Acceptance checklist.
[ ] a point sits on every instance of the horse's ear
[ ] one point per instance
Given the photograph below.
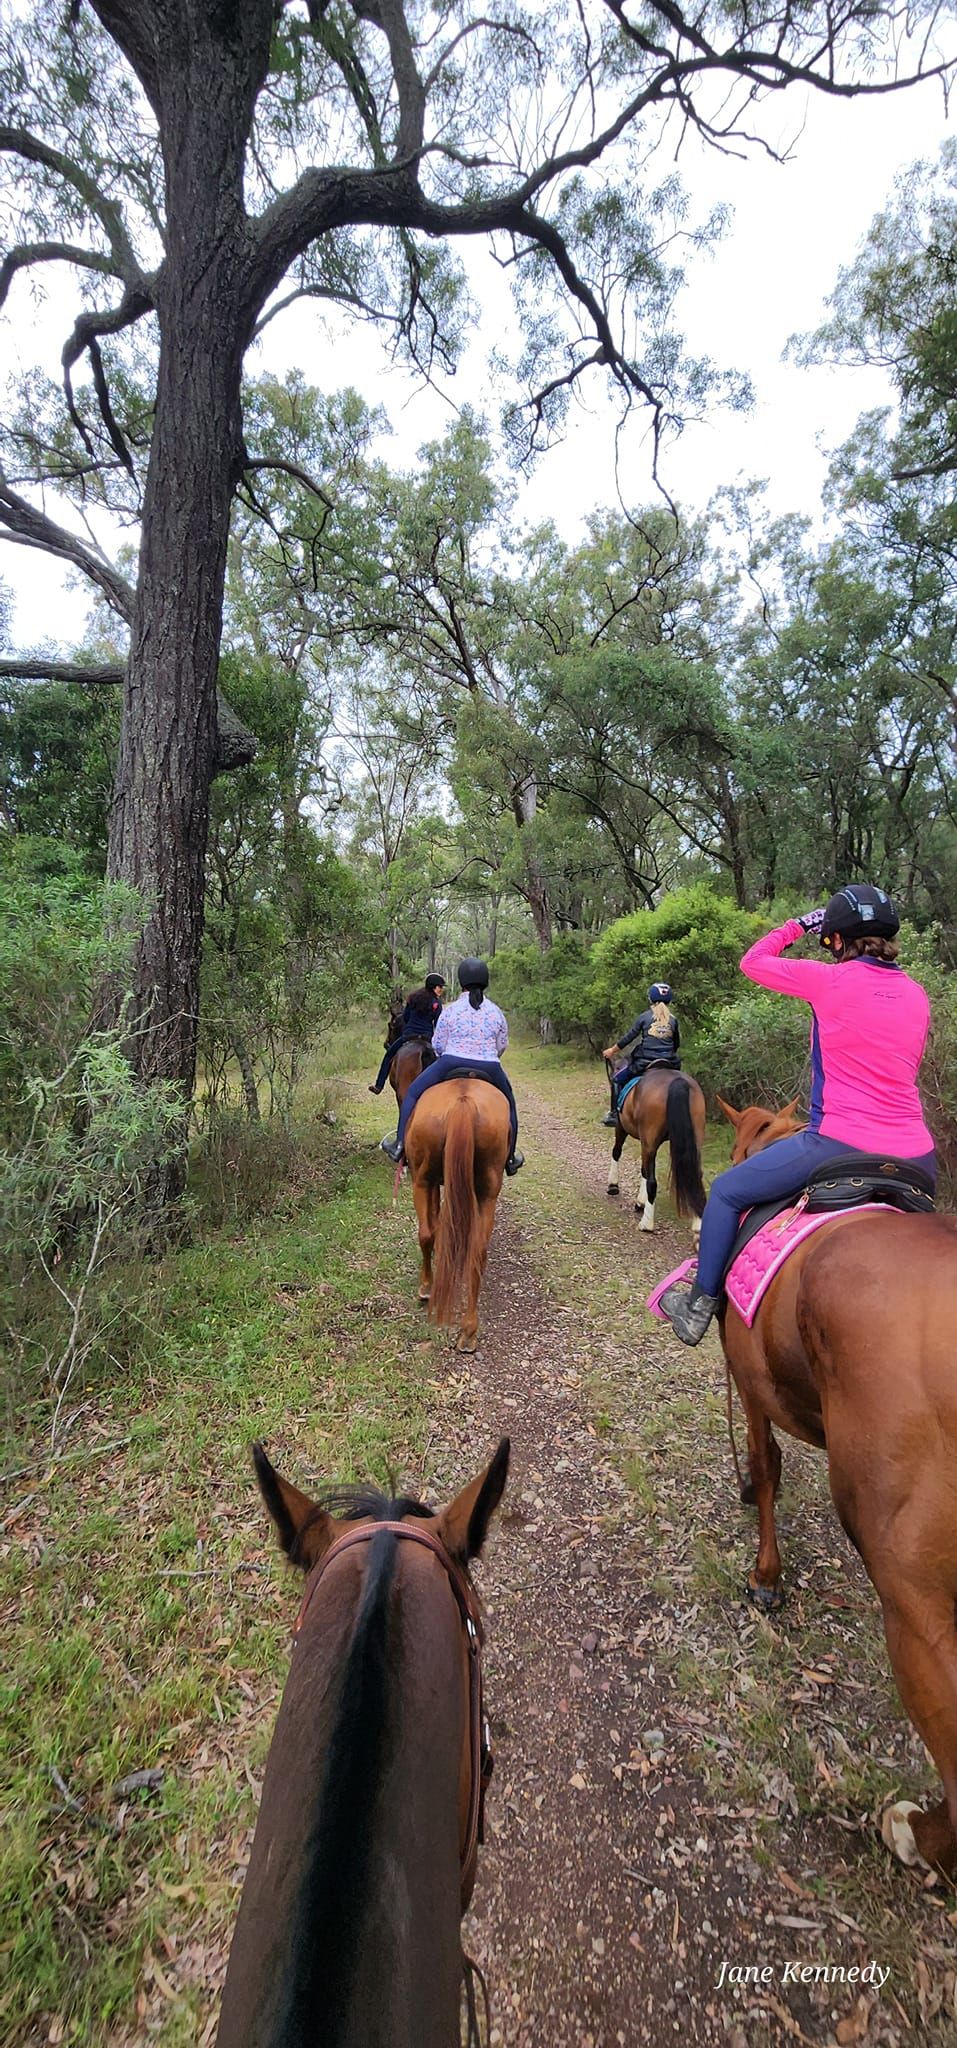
(733, 1115)
(305, 1530)
(790, 1107)
(463, 1525)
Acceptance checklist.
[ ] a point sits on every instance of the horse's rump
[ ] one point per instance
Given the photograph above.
(459, 1134)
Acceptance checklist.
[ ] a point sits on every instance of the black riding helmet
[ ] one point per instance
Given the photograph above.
(859, 912)
(473, 974)
(434, 982)
(660, 992)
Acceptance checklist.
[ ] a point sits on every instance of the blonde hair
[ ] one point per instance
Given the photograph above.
(662, 1019)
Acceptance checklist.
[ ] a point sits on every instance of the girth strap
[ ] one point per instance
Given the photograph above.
(481, 1760)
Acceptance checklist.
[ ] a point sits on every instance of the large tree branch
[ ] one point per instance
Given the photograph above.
(235, 746)
(88, 329)
(23, 524)
(50, 252)
(19, 142)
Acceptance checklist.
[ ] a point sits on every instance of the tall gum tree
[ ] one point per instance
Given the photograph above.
(200, 163)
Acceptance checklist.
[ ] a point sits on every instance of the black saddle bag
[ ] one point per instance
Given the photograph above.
(871, 1177)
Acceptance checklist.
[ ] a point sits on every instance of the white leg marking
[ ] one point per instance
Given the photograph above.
(642, 1192)
(899, 1835)
(647, 1217)
(613, 1173)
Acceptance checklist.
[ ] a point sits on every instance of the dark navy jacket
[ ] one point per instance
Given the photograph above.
(644, 1046)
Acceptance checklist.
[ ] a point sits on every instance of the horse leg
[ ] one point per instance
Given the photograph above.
(647, 1188)
(749, 1498)
(921, 1639)
(616, 1152)
(468, 1329)
(763, 1584)
(426, 1199)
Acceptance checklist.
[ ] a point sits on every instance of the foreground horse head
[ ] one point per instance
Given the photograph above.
(365, 1848)
(458, 1135)
(664, 1106)
(852, 1349)
(756, 1127)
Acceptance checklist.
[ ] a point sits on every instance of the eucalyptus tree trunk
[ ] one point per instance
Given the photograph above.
(160, 815)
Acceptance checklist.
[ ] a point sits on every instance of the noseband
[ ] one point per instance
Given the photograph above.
(481, 1760)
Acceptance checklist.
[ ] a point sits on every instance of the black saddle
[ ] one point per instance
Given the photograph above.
(846, 1183)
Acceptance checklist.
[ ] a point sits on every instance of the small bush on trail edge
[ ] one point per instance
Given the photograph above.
(85, 1147)
(756, 1050)
(240, 1168)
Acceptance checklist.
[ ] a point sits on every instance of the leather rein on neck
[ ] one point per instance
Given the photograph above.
(481, 1760)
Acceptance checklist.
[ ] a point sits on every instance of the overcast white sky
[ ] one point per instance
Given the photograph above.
(794, 225)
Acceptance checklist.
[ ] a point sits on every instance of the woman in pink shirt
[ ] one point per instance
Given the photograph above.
(470, 1037)
(869, 1026)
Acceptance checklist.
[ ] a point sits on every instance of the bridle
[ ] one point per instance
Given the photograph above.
(481, 1760)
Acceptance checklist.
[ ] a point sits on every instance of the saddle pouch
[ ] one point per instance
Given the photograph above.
(869, 1177)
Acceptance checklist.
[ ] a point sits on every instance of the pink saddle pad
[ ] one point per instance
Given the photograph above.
(755, 1267)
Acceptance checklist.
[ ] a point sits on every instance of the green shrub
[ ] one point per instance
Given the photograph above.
(694, 940)
(84, 1145)
(921, 956)
(756, 1050)
(556, 985)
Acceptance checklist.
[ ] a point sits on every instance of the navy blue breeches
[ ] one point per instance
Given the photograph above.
(444, 1069)
(780, 1170)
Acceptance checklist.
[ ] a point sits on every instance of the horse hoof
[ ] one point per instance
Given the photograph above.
(767, 1599)
(613, 1188)
(467, 1343)
(425, 1296)
(898, 1834)
(749, 1498)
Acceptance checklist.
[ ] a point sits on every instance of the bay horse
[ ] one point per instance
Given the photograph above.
(852, 1350)
(365, 1848)
(458, 1136)
(664, 1105)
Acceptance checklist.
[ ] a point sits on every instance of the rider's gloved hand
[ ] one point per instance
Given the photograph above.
(811, 921)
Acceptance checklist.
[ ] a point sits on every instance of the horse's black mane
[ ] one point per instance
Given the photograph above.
(366, 1503)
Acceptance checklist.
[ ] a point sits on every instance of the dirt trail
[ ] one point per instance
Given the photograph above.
(620, 1873)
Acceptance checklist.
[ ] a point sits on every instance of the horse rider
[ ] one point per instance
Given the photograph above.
(869, 1024)
(470, 1037)
(655, 1038)
(423, 1008)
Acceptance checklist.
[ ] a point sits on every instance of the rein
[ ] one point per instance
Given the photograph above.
(480, 1750)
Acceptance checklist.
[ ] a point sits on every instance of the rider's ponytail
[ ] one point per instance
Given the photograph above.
(662, 1019)
(476, 997)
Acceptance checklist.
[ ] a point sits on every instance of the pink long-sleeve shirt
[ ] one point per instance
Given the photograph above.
(869, 1024)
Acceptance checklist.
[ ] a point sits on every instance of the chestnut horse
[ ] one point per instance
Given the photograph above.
(852, 1350)
(458, 1134)
(664, 1105)
(365, 1848)
(407, 1065)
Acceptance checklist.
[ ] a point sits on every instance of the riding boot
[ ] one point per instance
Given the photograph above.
(690, 1311)
(512, 1165)
(393, 1149)
(374, 1088)
(610, 1118)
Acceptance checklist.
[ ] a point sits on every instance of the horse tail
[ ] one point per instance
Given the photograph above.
(456, 1237)
(687, 1186)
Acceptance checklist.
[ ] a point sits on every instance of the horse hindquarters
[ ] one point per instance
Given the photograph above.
(890, 1417)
